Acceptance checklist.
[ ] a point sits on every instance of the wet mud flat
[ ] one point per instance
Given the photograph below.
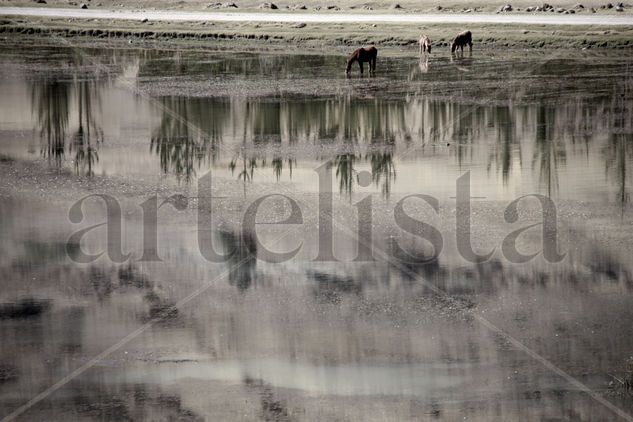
(382, 339)
(299, 340)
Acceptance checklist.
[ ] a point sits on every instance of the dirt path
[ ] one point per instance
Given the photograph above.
(164, 15)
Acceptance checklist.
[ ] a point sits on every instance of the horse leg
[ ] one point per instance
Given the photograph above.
(373, 65)
(360, 64)
(470, 45)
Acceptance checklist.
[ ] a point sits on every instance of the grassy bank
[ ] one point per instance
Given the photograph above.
(401, 6)
(320, 35)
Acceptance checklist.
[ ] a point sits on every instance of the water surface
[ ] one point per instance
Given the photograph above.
(303, 339)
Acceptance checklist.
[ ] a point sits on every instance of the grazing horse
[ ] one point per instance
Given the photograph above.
(461, 40)
(362, 55)
(425, 44)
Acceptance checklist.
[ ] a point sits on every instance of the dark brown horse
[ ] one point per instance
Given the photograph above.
(465, 38)
(363, 55)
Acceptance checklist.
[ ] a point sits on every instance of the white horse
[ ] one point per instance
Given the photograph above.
(425, 44)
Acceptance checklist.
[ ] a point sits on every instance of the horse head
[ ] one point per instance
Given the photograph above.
(348, 65)
(349, 62)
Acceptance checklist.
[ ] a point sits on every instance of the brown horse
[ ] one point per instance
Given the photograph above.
(425, 44)
(363, 55)
(465, 38)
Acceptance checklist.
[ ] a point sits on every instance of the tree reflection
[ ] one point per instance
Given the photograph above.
(268, 132)
(549, 154)
(247, 171)
(619, 149)
(345, 172)
(331, 288)
(249, 164)
(503, 152)
(277, 164)
(383, 171)
(89, 133)
(242, 257)
(618, 152)
(187, 135)
(51, 102)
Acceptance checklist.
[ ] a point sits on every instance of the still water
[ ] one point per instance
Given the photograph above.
(306, 340)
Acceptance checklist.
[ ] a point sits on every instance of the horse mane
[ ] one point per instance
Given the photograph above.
(357, 52)
(352, 56)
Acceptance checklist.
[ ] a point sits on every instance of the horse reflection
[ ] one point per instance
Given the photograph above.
(423, 64)
(461, 62)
